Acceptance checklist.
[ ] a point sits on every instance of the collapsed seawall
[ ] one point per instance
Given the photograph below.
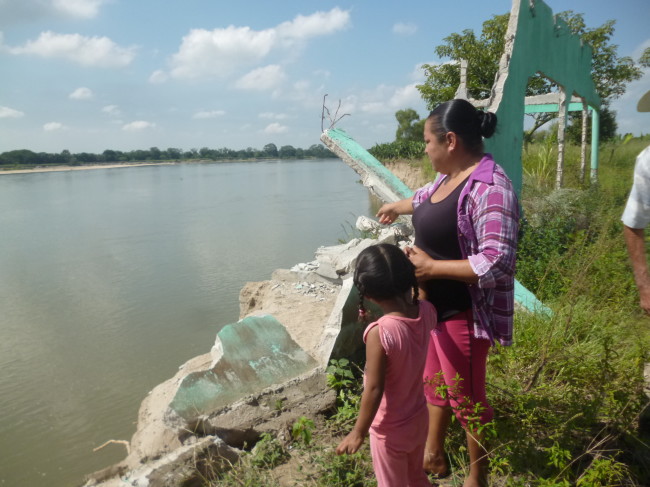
(290, 327)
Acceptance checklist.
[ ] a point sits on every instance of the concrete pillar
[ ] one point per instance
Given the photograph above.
(561, 130)
(583, 145)
(595, 140)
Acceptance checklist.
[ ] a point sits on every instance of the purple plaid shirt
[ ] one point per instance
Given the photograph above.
(488, 226)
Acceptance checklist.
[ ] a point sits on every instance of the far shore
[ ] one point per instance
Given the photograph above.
(82, 167)
(109, 165)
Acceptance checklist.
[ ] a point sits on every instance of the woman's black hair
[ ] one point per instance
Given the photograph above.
(382, 272)
(462, 118)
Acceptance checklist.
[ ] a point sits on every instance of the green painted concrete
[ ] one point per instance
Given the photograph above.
(595, 129)
(257, 353)
(553, 107)
(542, 44)
(354, 155)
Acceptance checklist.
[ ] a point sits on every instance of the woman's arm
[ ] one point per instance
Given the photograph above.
(495, 220)
(375, 374)
(389, 212)
(428, 268)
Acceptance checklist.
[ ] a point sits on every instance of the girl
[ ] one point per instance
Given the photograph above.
(393, 406)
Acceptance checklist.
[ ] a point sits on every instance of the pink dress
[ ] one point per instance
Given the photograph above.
(399, 430)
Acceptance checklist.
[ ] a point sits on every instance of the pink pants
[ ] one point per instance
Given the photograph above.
(454, 351)
(396, 466)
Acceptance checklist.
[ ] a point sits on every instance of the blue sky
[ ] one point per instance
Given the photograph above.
(90, 75)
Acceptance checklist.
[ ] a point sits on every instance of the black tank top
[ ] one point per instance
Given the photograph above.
(436, 232)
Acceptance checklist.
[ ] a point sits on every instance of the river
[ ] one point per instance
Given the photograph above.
(110, 279)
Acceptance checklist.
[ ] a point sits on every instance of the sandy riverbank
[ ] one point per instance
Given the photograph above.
(83, 167)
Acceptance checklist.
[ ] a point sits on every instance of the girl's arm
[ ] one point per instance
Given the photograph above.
(373, 391)
(389, 212)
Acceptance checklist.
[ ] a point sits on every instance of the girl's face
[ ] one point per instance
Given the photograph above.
(436, 150)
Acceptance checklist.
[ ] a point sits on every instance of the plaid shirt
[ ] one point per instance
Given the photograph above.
(488, 226)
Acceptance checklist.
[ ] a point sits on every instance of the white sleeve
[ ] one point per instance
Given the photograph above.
(637, 209)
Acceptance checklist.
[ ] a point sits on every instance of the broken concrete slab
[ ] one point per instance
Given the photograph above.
(249, 355)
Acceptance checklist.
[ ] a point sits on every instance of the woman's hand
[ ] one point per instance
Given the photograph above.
(387, 214)
(350, 443)
(427, 267)
(422, 261)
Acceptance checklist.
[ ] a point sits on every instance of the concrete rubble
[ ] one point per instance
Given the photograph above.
(217, 403)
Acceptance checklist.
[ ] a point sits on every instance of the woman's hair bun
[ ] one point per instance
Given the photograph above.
(487, 123)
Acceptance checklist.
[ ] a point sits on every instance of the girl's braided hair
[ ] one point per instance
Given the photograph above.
(382, 272)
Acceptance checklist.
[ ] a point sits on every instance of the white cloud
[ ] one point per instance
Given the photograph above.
(138, 125)
(221, 52)
(273, 116)
(79, 8)
(112, 110)
(418, 73)
(386, 99)
(52, 126)
(158, 76)
(87, 51)
(81, 93)
(317, 24)
(405, 29)
(262, 79)
(6, 112)
(275, 128)
(627, 118)
(208, 114)
(13, 12)
(405, 97)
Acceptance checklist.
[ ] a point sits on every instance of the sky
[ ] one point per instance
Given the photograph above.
(91, 75)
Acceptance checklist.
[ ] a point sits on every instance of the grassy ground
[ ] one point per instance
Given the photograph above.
(568, 396)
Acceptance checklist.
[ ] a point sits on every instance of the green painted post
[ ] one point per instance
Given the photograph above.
(595, 140)
(537, 41)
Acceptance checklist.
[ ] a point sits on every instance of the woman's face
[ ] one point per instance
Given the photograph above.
(435, 149)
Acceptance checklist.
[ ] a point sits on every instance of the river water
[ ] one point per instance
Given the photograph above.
(110, 279)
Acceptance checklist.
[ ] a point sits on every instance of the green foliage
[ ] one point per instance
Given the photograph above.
(409, 125)
(339, 374)
(268, 452)
(302, 430)
(28, 158)
(400, 149)
(345, 470)
(342, 379)
(610, 72)
(242, 474)
(483, 54)
(603, 472)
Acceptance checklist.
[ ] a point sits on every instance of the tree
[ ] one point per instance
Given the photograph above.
(271, 150)
(409, 125)
(287, 151)
(611, 73)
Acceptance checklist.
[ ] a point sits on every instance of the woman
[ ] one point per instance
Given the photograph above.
(466, 226)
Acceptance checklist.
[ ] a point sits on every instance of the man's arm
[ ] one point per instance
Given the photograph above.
(634, 238)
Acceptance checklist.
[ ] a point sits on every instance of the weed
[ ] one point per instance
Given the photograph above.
(302, 430)
(268, 452)
(345, 470)
(339, 374)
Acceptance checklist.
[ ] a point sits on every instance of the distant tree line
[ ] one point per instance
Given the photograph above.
(27, 157)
